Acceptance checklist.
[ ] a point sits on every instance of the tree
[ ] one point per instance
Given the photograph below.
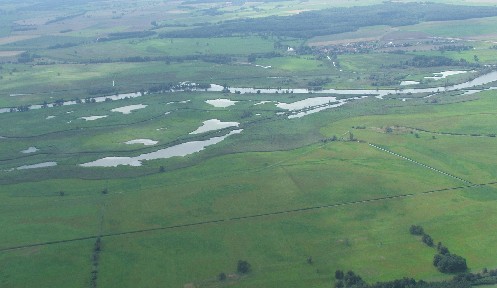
(243, 267)
(246, 114)
(221, 276)
(351, 136)
(449, 263)
(339, 274)
(416, 230)
(59, 102)
(309, 260)
(351, 279)
(442, 249)
(427, 240)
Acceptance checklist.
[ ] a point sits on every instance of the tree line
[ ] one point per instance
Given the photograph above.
(444, 261)
(126, 35)
(466, 280)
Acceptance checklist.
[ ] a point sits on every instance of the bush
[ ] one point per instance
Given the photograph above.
(221, 276)
(243, 267)
(416, 230)
(449, 263)
(427, 240)
(442, 249)
(351, 279)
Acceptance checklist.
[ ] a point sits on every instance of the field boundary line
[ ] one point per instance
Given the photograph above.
(488, 135)
(418, 163)
(238, 218)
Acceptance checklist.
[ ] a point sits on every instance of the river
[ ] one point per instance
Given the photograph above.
(379, 93)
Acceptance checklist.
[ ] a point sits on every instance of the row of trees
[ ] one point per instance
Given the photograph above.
(21, 108)
(253, 57)
(466, 280)
(218, 59)
(27, 57)
(444, 261)
(457, 48)
(97, 248)
(126, 35)
(432, 61)
(166, 87)
(63, 45)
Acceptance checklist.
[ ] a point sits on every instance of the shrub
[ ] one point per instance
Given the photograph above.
(416, 230)
(243, 267)
(449, 263)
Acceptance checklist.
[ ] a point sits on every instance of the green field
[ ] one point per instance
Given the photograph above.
(341, 185)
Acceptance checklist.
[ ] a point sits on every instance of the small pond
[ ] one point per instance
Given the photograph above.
(221, 103)
(30, 150)
(146, 142)
(93, 118)
(128, 109)
(214, 124)
(39, 165)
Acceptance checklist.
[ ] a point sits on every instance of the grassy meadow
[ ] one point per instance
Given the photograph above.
(342, 185)
(226, 186)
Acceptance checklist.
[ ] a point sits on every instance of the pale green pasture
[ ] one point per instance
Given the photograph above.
(485, 54)
(457, 28)
(227, 45)
(67, 265)
(219, 188)
(371, 239)
(336, 238)
(164, 47)
(370, 63)
(361, 33)
(468, 156)
(294, 64)
(211, 195)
